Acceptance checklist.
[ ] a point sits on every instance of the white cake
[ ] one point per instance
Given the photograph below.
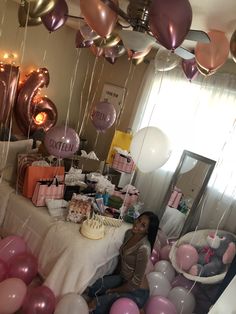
(93, 228)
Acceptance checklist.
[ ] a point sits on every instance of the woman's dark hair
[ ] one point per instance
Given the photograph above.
(153, 227)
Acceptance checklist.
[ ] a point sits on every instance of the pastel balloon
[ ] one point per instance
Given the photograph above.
(155, 256)
(164, 252)
(166, 269)
(150, 149)
(72, 303)
(103, 115)
(22, 18)
(39, 8)
(61, 141)
(183, 300)
(188, 164)
(158, 284)
(165, 60)
(9, 77)
(212, 55)
(11, 246)
(233, 46)
(170, 21)
(40, 300)
(124, 306)
(80, 42)
(190, 68)
(23, 266)
(101, 18)
(112, 53)
(88, 33)
(186, 256)
(3, 270)
(12, 294)
(181, 281)
(159, 305)
(57, 17)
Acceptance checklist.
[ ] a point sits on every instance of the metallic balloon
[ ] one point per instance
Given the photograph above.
(80, 42)
(88, 33)
(25, 101)
(103, 115)
(190, 68)
(38, 8)
(138, 61)
(97, 51)
(112, 53)
(9, 77)
(110, 41)
(204, 71)
(233, 46)
(22, 18)
(57, 17)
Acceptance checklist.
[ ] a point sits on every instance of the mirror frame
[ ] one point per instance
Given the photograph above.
(200, 194)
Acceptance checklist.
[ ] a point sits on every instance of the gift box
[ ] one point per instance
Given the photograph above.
(129, 198)
(38, 173)
(123, 163)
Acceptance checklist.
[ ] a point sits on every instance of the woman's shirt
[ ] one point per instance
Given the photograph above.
(134, 261)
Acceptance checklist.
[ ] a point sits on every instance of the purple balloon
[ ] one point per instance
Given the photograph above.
(181, 281)
(103, 115)
(170, 21)
(112, 53)
(80, 42)
(3, 270)
(40, 300)
(160, 305)
(61, 142)
(190, 68)
(11, 246)
(57, 17)
(23, 266)
(124, 306)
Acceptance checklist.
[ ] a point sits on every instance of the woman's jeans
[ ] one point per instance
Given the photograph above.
(104, 301)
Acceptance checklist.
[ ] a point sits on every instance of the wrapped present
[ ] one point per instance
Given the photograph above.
(129, 194)
(80, 207)
(123, 163)
(38, 173)
(45, 189)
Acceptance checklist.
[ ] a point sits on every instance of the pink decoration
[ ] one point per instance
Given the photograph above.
(3, 270)
(160, 305)
(11, 246)
(186, 256)
(124, 306)
(103, 115)
(164, 252)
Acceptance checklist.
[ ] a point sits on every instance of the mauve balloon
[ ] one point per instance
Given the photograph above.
(190, 68)
(3, 270)
(103, 115)
(57, 17)
(11, 246)
(124, 306)
(80, 42)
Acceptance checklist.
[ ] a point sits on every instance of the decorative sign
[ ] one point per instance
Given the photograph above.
(114, 95)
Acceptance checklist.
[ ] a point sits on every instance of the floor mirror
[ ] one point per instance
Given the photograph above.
(184, 193)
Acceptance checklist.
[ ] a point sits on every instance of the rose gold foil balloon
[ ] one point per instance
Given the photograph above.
(99, 16)
(233, 46)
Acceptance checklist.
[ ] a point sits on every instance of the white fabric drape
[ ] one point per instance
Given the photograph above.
(200, 117)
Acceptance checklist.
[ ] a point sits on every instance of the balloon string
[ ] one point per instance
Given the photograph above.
(96, 140)
(81, 97)
(45, 50)
(23, 44)
(124, 96)
(3, 18)
(89, 91)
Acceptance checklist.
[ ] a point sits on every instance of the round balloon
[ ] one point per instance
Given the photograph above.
(165, 252)
(188, 164)
(57, 17)
(72, 303)
(166, 269)
(158, 284)
(186, 256)
(11, 246)
(165, 60)
(124, 306)
(183, 300)
(3, 270)
(160, 305)
(61, 141)
(103, 115)
(233, 46)
(190, 68)
(150, 149)
(12, 294)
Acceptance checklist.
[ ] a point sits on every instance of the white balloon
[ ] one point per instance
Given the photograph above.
(182, 299)
(72, 303)
(188, 164)
(166, 60)
(158, 284)
(166, 269)
(150, 149)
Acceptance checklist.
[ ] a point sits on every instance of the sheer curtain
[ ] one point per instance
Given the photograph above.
(200, 117)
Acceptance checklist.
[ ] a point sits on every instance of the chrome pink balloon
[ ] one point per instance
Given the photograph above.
(9, 76)
(160, 305)
(186, 256)
(61, 142)
(103, 115)
(190, 69)
(12, 294)
(39, 300)
(57, 17)
(23, 266)
(124, 306)
(3, 270)
(11, 246)
(170, 21)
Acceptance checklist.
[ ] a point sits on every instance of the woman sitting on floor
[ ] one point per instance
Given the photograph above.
(130, 282)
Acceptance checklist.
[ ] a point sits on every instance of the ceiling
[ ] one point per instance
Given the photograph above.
(207, 14)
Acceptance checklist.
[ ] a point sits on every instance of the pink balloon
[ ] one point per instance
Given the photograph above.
(186, 256)
(11, 246)
(3, 270)
(23, 266)
(61, 142)
(170, 21)
(155, 256)
(124, 306)
(164, 252)
(183, 300)
(12, 294)
(103, 115)
(40, 300)
(57, 17)
(160, 305)
(190, 68)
